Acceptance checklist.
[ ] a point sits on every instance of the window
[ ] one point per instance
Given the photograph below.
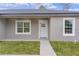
(43, 25)
(69, 26)
(23, 26)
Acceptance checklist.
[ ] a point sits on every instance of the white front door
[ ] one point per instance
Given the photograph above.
(43, 29)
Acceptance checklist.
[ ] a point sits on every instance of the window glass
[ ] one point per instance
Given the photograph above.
(20, 30)
(68, 26)
(42, 25)
(26, 29)
(26, 25)
(23, 27)
(20, 24)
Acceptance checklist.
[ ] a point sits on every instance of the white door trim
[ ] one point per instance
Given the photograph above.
(39, 28)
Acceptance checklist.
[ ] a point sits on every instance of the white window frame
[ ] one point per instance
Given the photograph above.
(23, 26)
(73, 26)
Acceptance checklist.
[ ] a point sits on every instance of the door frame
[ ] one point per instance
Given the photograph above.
(39, 28)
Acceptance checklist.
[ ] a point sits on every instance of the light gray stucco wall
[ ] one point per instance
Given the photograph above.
(11, 34)
(2, 28)
(56, 30)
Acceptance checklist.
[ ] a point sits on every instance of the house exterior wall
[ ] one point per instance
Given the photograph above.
(56, 30)
(11, 33)
(2, 28)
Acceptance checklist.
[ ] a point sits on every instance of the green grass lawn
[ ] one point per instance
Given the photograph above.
(65, 48)
(20, 47)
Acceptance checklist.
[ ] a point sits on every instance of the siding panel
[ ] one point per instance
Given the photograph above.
(2, 28)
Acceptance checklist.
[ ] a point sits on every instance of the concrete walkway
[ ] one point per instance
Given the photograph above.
(46, 49)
